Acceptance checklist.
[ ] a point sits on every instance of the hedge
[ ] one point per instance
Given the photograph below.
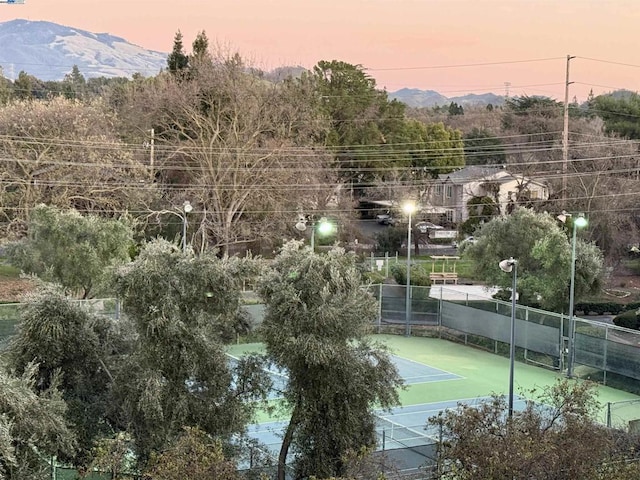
(603, 308)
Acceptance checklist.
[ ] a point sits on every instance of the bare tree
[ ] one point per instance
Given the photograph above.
(235, 146)
(66, 154)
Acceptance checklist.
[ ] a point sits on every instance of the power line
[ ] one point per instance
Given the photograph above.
(462, 65)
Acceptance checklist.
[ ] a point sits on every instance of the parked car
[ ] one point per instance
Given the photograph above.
(424, 227)
(385, 219)
(469, 240)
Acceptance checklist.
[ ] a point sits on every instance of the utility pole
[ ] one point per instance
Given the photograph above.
(506, 89)
(151, 154)
(565, 135)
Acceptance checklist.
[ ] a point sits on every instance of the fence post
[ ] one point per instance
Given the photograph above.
(604, 366)
(372, 263)
(380, 290)
(386, 264)
(117, 309)
(440, 315)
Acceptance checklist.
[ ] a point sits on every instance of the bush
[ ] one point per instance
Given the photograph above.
(390, 240)
(628, 319)
(374, 277)
(419, 276)
(599, 308)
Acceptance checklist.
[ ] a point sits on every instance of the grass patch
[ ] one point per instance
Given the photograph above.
(7, 271)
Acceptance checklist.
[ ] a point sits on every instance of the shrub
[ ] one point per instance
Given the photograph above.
(374, 277)
(419, 276)
(628, 319)
(390, 239)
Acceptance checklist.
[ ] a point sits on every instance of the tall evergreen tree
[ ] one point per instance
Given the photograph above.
(177, 59)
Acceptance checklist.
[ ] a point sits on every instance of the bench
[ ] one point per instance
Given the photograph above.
(443, 277)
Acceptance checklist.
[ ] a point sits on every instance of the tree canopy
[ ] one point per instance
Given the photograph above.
(33, 429)
(620, 113)
(71, 249)
(182, 311)
(543, 251)
(555, 437)
(315, 329)
(61, 344)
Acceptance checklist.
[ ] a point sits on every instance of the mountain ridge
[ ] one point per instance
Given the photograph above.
(49, 51)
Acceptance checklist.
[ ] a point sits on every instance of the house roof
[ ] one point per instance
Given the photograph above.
(471, 173)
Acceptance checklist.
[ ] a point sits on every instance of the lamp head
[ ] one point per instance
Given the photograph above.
(409, 207)
(580, 221)
(325, 227)
(507, 265)
(301, 226)
(187, 207)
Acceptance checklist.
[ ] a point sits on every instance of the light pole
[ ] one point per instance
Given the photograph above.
(581, 222)
(509, 266)
(186, 208)
(408, 208)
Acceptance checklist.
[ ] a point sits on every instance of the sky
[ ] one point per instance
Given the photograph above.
(452, 46)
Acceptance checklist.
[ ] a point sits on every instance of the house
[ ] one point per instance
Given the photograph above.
(451, 192)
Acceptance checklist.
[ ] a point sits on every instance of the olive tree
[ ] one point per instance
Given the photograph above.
(315, 328)
(71, 249)
(33, 429)
(543, 251)
(182, 311)
(60, 343)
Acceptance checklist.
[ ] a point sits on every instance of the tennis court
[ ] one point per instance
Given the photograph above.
(439, 375)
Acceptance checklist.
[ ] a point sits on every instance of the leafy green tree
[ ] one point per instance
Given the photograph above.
(555, 437)
(370, 133)
(194, 456)
(543, 251)
(183, 310)
(59, 336)
(481, 147)
(33, 429)
(315, 328)
(177, 61)
(71, 249)
(620, 113)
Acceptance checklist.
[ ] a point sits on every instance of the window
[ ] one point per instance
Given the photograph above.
(449, 214)
(449, 191)
(533, 194)
(438, 190)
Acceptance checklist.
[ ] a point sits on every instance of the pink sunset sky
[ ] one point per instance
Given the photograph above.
(402, 43)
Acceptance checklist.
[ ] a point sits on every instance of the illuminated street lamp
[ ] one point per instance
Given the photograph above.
(509, 266)
(186, 208)
(579, 222)
(324, 227)
(409, 208)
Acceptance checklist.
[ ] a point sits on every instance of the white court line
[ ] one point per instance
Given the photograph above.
(425, 364)
(433, 375)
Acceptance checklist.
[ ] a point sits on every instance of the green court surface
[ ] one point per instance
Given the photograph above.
(482, 373)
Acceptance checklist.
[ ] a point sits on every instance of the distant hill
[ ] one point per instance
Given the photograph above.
(49, 51)
(430, 98)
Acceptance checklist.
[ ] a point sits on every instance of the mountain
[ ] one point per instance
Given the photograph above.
(430, 98)
(49, 51)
